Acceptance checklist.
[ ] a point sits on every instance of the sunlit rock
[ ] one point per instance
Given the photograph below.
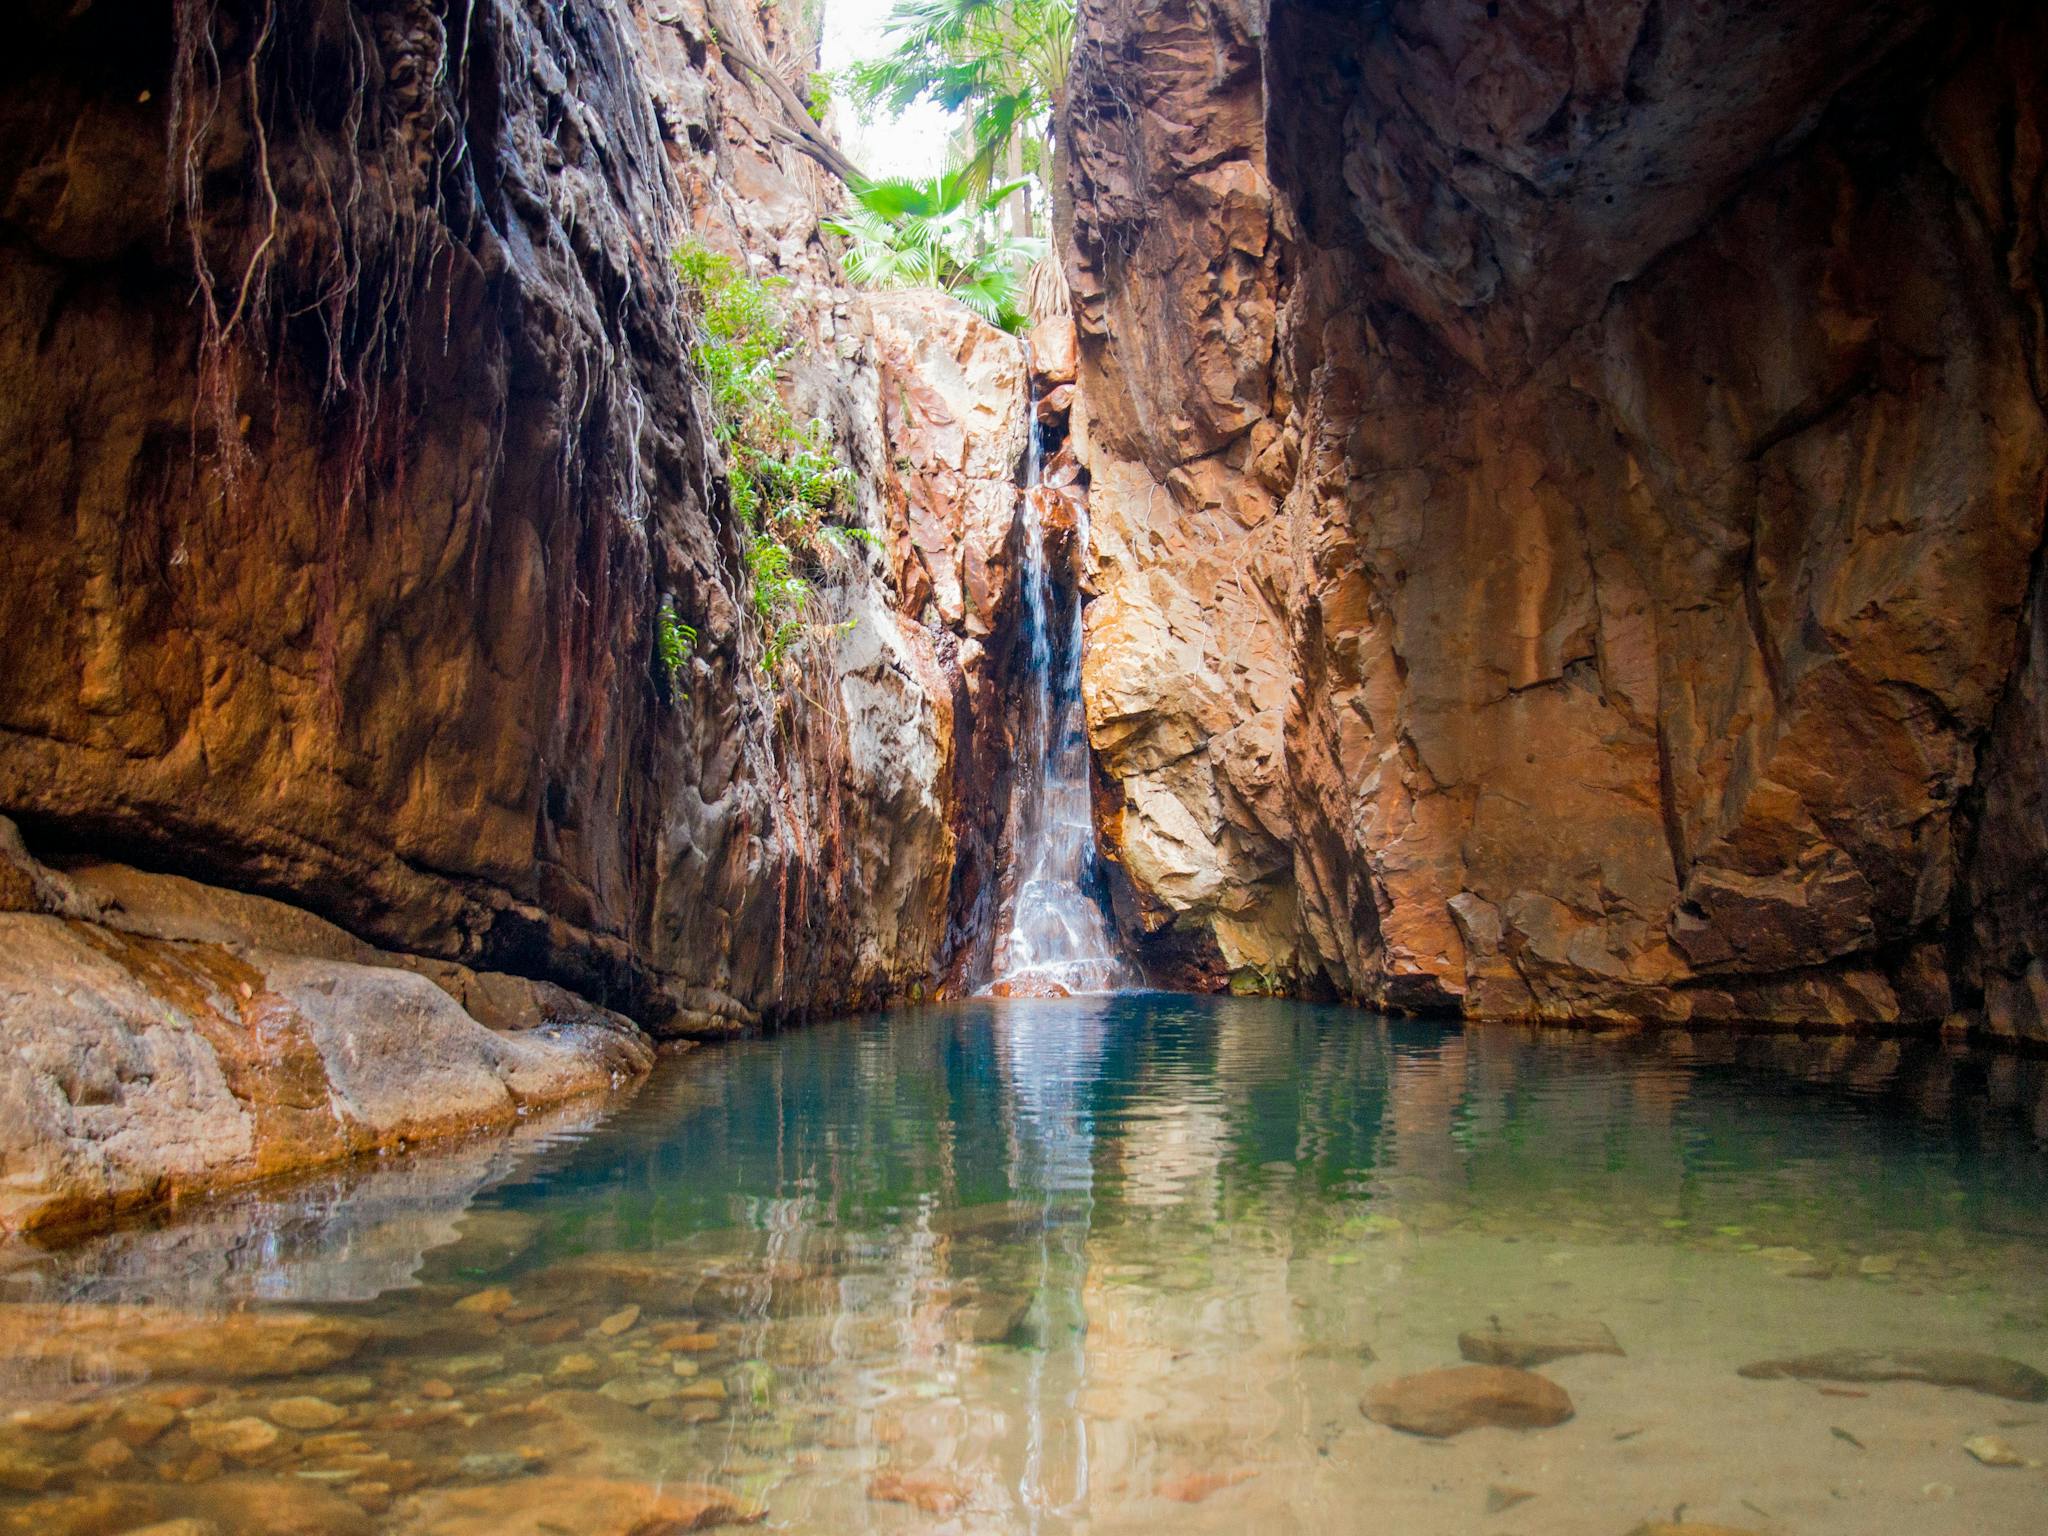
(1994, 1375)
(1439, 1404)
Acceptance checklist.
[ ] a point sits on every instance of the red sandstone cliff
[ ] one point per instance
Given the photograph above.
(352, 448)
(1567, 485)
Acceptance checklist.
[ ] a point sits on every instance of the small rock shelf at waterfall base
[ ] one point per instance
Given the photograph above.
(1121, 1264)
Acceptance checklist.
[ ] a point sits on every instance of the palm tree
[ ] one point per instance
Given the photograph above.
(933, 233)
(1003, 63)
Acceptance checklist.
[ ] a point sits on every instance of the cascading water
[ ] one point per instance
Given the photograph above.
(1053, 929)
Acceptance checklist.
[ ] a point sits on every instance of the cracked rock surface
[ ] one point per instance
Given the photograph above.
(1587, 568)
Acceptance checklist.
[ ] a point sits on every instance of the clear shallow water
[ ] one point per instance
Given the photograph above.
(1114, 1264)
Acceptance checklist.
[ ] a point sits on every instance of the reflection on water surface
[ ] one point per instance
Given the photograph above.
(1117, 1264)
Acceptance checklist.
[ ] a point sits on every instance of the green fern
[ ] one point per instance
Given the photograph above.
(784, 478)
(674, 643)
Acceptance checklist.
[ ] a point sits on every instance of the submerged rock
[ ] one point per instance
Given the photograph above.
(133, 1342)
(495, 1302)
(1534, 1339)
(990, 1318)
(305, 1414)
(933, 1492)
(1994, 1452)
(587, 1506)
(1193, 1487)
(1002, 1218)
(1448, 1402)
(619, 1321)
(246, 1439)
(220, 1506)
(1993, 1375)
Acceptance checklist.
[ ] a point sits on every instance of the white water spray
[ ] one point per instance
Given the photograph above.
(1053, 928)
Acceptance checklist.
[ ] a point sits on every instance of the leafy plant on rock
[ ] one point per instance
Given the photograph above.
(674, 642)
(937, 233)
(785, 478)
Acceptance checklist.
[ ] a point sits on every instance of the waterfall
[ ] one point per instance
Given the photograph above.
(1052, 928)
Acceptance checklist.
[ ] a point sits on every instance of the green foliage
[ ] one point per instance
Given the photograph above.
(1002, 63)
(818, 95)
(937, 233)
(674, 641)
(785, 478)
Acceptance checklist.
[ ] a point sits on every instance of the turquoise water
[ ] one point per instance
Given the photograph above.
(1113, 1264)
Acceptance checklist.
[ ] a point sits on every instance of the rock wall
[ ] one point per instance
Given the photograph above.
(334, 568)
(1587, 568)
(165, 1037)
(353, 448)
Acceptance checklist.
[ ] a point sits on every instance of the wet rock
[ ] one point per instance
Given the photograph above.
(305, 1414)
(1003, 1218)
(372, 1497)
(618, 1322)
(1448, 1402)
(1796, 1264)
(988, 1318)
(1054, 404)
(118, 1342)
(142, 1423)
(245, 1439)
(26, 1471)
(1534, 1339)
(587, 1506)
(159, 1039)
(639, 1392)
(576, 1367)
(55, 1418)
(1053, 358)
(492, 1303)
(1029, 986)
(1993, 1375)
(1193, 1487)
(492, 1466)
(935, 1493)
(202, 1468)
(106, 1456)
(690, 1341)
(1994, 1452)
(472, 1365)
(780, 1291)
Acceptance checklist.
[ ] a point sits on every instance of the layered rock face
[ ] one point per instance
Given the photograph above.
(339, 579)
(165, 1037)
(354, 451)
(1608, 487)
